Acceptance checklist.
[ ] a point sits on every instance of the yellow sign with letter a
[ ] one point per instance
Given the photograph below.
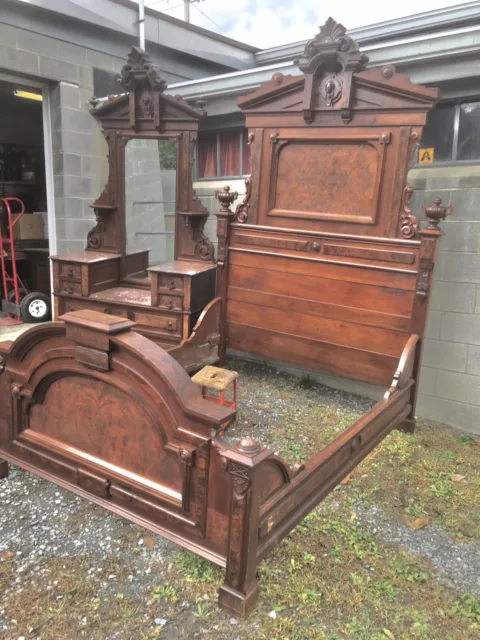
(426, 156)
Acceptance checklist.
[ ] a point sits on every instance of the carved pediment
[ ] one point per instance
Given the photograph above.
(144, 105)
(334, 79)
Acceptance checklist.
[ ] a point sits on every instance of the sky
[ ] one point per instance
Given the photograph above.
(268, 23)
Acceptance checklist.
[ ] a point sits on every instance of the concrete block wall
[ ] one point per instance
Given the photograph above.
(79, 151)
(450, 376)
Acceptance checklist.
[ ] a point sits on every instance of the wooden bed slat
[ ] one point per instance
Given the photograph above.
(313, 354)
(395, 279)
(358, 336)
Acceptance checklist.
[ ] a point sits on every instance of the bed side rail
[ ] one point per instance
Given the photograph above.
(324, 471)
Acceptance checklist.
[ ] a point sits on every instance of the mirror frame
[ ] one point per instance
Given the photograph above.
(145, 111)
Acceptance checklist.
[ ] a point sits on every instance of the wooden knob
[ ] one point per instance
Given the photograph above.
(172, 284)
(69, 289)
(170, 327)
(170, 304)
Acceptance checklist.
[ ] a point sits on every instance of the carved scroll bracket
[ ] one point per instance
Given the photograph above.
(241, 212)
(408, 221)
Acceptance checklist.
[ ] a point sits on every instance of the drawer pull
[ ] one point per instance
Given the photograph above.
(130, 315)
(316, 247)
(70, 272)
(69, 289)
(170, 326)
(172, 284)
(170, 303)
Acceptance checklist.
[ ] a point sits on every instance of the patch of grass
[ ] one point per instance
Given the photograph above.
(468, 606)
(164, 592)
(193, 568)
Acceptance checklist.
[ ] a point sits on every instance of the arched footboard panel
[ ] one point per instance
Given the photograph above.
(103, 411)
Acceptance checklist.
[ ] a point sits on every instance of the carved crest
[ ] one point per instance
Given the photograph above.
(331, 48)
(139, 70)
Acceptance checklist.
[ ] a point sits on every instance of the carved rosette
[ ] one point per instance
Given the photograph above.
(241, 212)
(408, 221)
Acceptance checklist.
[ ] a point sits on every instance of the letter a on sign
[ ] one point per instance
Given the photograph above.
(425, 156)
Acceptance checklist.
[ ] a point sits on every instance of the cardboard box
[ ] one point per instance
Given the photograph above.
(29, 227)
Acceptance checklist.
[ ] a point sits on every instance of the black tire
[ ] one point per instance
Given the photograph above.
(35, 307)
(11, 294)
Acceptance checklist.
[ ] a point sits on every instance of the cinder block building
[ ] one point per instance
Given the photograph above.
(66, 52)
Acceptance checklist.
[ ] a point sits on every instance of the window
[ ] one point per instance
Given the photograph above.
(106, 83)
(223, 154)
(453, 132)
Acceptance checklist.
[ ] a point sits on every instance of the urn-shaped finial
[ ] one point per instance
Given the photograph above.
(436, 213)
(248, 445)
(226, 197)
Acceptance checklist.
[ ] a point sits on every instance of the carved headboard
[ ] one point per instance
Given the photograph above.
(324, 264)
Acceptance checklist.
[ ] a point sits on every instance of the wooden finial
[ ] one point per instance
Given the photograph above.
(248, 445)
(436, 213)
(226, 197)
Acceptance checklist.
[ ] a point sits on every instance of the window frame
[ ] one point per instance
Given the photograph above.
(456, 125)
(217, 133)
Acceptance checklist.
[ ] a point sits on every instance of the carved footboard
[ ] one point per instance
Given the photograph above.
(104, 412)
(101, 410)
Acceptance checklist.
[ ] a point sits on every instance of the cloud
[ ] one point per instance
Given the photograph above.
(270, 23)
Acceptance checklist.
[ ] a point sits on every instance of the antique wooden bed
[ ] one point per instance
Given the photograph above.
(93, 405)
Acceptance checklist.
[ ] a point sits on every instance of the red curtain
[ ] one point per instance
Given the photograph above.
(207, 155)
(229, 153)
(231, 145)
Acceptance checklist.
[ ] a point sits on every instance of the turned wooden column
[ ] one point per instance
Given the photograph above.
(240, 589)
(430, 237)
(225, 217)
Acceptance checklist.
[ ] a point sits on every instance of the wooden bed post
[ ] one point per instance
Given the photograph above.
(224, 217)
(430, 237)
(240, 590)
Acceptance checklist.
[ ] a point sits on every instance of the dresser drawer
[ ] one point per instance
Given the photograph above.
(69, 270)
(170, 324)
(170, 302)
(167, 281)
(69, 287)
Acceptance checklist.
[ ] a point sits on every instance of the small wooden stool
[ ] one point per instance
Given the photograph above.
(220, 380)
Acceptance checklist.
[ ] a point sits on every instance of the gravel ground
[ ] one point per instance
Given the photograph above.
(42, 522)
(457, 563)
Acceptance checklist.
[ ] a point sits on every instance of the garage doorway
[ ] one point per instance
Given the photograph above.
(26, 173)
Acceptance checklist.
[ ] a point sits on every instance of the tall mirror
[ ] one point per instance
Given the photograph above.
(150, 190)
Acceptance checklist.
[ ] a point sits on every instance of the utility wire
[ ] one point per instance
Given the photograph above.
(156, 2)
(208, 18)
